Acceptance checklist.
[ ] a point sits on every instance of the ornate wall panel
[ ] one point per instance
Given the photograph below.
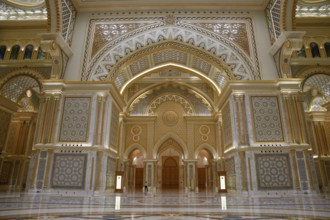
(273, 13)
(5, 121)
(163, 127)
(75, 119)
(17, 86)
(227, 129)
(229, 38)
(136, 133)
(231, 173)
(69, 171)
(170, 56)
(68, 19)
(302, 170)
(114, 126)
(111, 170)
(204, 134)
(273, 171)
(6, 171)
(266, 119)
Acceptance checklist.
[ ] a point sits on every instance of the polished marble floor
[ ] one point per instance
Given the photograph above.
(163, 206)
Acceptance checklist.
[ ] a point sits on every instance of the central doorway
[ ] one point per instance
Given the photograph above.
(170, 174)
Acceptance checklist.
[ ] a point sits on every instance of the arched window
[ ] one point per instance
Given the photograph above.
(28, 51)
(315, 50)
(41, 55)
(14, 52)
(301, 53)
(327, 48)
(2, 51)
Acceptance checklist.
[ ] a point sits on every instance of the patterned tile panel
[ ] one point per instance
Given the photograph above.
(302, 170)
(236, 32)
(170, 56)
(201, 65)
(5, 121)
(68, 17)
(267, 119)
(111, 170)
(139, 65)
(273, 171)
(107, 31)
(227, 129)
(75, 119)
(114, 126)
(16, 87)
(231, 173)
(6, 172)
(69, 171)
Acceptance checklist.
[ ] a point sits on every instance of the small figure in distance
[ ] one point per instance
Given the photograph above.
(145, 187)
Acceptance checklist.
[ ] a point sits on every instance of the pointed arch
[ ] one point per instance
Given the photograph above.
(209, 148)
(225, 52)
(166, 137)
(133, 147)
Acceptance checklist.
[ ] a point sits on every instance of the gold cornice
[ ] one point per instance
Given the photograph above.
(292, 85)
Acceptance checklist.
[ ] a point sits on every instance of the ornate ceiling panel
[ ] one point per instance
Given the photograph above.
(320, 82)
(121, 47)
(16, 87)
(193, 103)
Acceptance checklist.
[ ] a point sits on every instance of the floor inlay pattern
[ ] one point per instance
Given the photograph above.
(163, 206)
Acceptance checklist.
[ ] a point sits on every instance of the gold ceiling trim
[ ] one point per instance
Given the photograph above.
(172, 65)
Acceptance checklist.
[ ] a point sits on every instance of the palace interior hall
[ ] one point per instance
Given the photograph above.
(165, 109)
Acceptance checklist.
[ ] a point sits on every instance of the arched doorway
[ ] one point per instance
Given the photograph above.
(204, 166)
(170, 166)
(136, 172)
(170, 173)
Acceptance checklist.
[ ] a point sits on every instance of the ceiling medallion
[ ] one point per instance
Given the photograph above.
(170, 118)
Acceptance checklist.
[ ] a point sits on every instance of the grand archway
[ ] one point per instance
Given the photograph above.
(170, 168)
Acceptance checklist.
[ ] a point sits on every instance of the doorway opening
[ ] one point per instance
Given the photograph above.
(204, 166)
(136, 170)
(170, 173)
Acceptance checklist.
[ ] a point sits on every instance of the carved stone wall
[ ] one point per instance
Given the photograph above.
(110, 175)
(136, 133)
(266, 119)
(166, 124)
(231, 173)
(227, 129)
(273, 171)
(75, 119)
(69, 171)
(204, 133)
(114, 129)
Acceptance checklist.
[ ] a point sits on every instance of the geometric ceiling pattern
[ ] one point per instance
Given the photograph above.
(229, 40)
(192, 102)
(321, 82)
(15, 88)
(178, 56)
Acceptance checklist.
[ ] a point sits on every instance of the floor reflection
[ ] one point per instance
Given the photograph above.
(163, 206)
